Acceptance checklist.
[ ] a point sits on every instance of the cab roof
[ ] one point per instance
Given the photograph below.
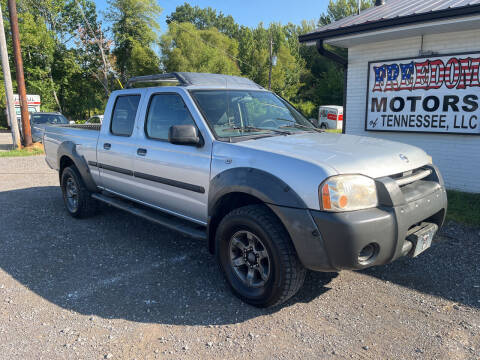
(194, 79)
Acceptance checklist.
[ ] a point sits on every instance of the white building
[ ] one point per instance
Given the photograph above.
(413, 76)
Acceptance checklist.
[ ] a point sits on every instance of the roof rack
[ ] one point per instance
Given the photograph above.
(167, 79)
(194, 79)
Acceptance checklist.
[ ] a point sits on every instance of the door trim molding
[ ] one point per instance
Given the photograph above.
(161, 180)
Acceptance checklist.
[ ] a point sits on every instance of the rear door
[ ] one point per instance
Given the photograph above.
(172, 177)
(117, 144)
(340, 119)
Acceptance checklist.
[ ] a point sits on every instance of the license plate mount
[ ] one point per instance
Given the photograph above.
(422, 238)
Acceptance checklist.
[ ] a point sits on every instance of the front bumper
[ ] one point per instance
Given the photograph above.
(327, 241)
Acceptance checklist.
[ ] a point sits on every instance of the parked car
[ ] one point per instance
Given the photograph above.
(39, 120)
(330, 117)
(220, 158)
(96, 119)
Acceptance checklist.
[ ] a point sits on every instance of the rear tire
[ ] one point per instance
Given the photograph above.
(257, 256)
(76, 197)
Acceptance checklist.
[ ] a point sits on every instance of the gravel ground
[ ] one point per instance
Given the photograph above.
(115, 286)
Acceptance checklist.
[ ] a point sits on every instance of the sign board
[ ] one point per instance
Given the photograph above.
(33, 102)
(435, 94)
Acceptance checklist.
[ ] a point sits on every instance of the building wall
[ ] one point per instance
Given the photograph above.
(458, 156)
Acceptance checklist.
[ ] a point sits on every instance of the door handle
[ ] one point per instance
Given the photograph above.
(142, 152)
(107, 146)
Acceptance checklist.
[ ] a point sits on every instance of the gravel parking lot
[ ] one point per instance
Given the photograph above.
(115, 286)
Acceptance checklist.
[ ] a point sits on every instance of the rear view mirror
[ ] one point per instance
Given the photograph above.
(184, 135)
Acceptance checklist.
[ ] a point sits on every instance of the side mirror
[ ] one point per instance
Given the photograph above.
(184, 135)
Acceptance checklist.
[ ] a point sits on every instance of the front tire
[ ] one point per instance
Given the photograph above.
(76, 196)
(257, 256)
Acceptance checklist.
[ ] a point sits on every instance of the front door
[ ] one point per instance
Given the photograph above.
(172, 177)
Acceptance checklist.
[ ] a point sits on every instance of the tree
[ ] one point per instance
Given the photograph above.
(204, 19)
(185, 48)
(254, 47)
(338, 9)
(38, 47)
(54, 70)
(134, 26)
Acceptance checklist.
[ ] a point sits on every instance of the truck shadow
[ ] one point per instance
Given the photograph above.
(449, 269)
(117, 266)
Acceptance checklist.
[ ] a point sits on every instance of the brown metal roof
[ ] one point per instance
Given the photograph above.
(395, 12)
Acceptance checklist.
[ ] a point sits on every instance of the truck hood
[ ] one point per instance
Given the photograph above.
(347, 154)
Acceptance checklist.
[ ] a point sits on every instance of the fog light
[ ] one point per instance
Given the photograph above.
(367, 254)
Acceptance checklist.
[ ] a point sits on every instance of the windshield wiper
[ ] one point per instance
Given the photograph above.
(253, 128)
(300, 126)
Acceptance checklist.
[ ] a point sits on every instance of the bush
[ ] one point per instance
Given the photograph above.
(307, 108)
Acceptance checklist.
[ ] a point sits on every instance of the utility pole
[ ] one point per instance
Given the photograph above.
(271, 64)
(7, 77)
(22, 92)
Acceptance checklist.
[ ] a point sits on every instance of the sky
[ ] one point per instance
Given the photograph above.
(249, 12)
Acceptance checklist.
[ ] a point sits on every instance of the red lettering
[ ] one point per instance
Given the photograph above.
(452, 73)
(421, 81)
(437, 72)
(469, 73)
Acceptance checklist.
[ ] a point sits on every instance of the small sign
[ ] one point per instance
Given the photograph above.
(435, 94)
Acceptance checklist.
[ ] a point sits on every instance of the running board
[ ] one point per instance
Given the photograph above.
(171, 222)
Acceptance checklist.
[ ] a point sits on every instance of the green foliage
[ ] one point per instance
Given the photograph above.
(339, 9)
(307, 108)
(22, 152)
(134, 30)
(204, 19)
(185, 48)
(463, 207)
(73, 63)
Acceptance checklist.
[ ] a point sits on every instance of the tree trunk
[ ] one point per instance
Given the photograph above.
(55, 92)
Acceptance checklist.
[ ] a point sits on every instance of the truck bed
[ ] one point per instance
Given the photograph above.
(84, 136)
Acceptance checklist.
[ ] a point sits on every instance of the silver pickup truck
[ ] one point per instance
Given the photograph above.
(220, 158)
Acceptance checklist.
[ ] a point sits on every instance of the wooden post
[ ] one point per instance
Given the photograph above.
(22, 92)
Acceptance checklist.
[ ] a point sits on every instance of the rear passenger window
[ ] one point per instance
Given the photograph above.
(124, 113)
(166, 110)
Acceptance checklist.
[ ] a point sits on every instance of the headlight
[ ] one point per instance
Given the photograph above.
(347, 193)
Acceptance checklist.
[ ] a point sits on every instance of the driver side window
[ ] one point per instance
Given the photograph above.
(164, 111)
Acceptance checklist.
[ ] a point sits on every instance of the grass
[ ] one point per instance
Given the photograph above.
(338, 131)
(463, 207)
(32, 150)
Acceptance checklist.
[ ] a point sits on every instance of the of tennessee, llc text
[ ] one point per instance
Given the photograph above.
(426, 122)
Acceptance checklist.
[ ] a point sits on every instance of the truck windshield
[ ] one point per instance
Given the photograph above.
(49, 119)
(235, 113)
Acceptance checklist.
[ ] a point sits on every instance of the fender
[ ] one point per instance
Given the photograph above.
(69, 149)
(284, 203)
(258, 183)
